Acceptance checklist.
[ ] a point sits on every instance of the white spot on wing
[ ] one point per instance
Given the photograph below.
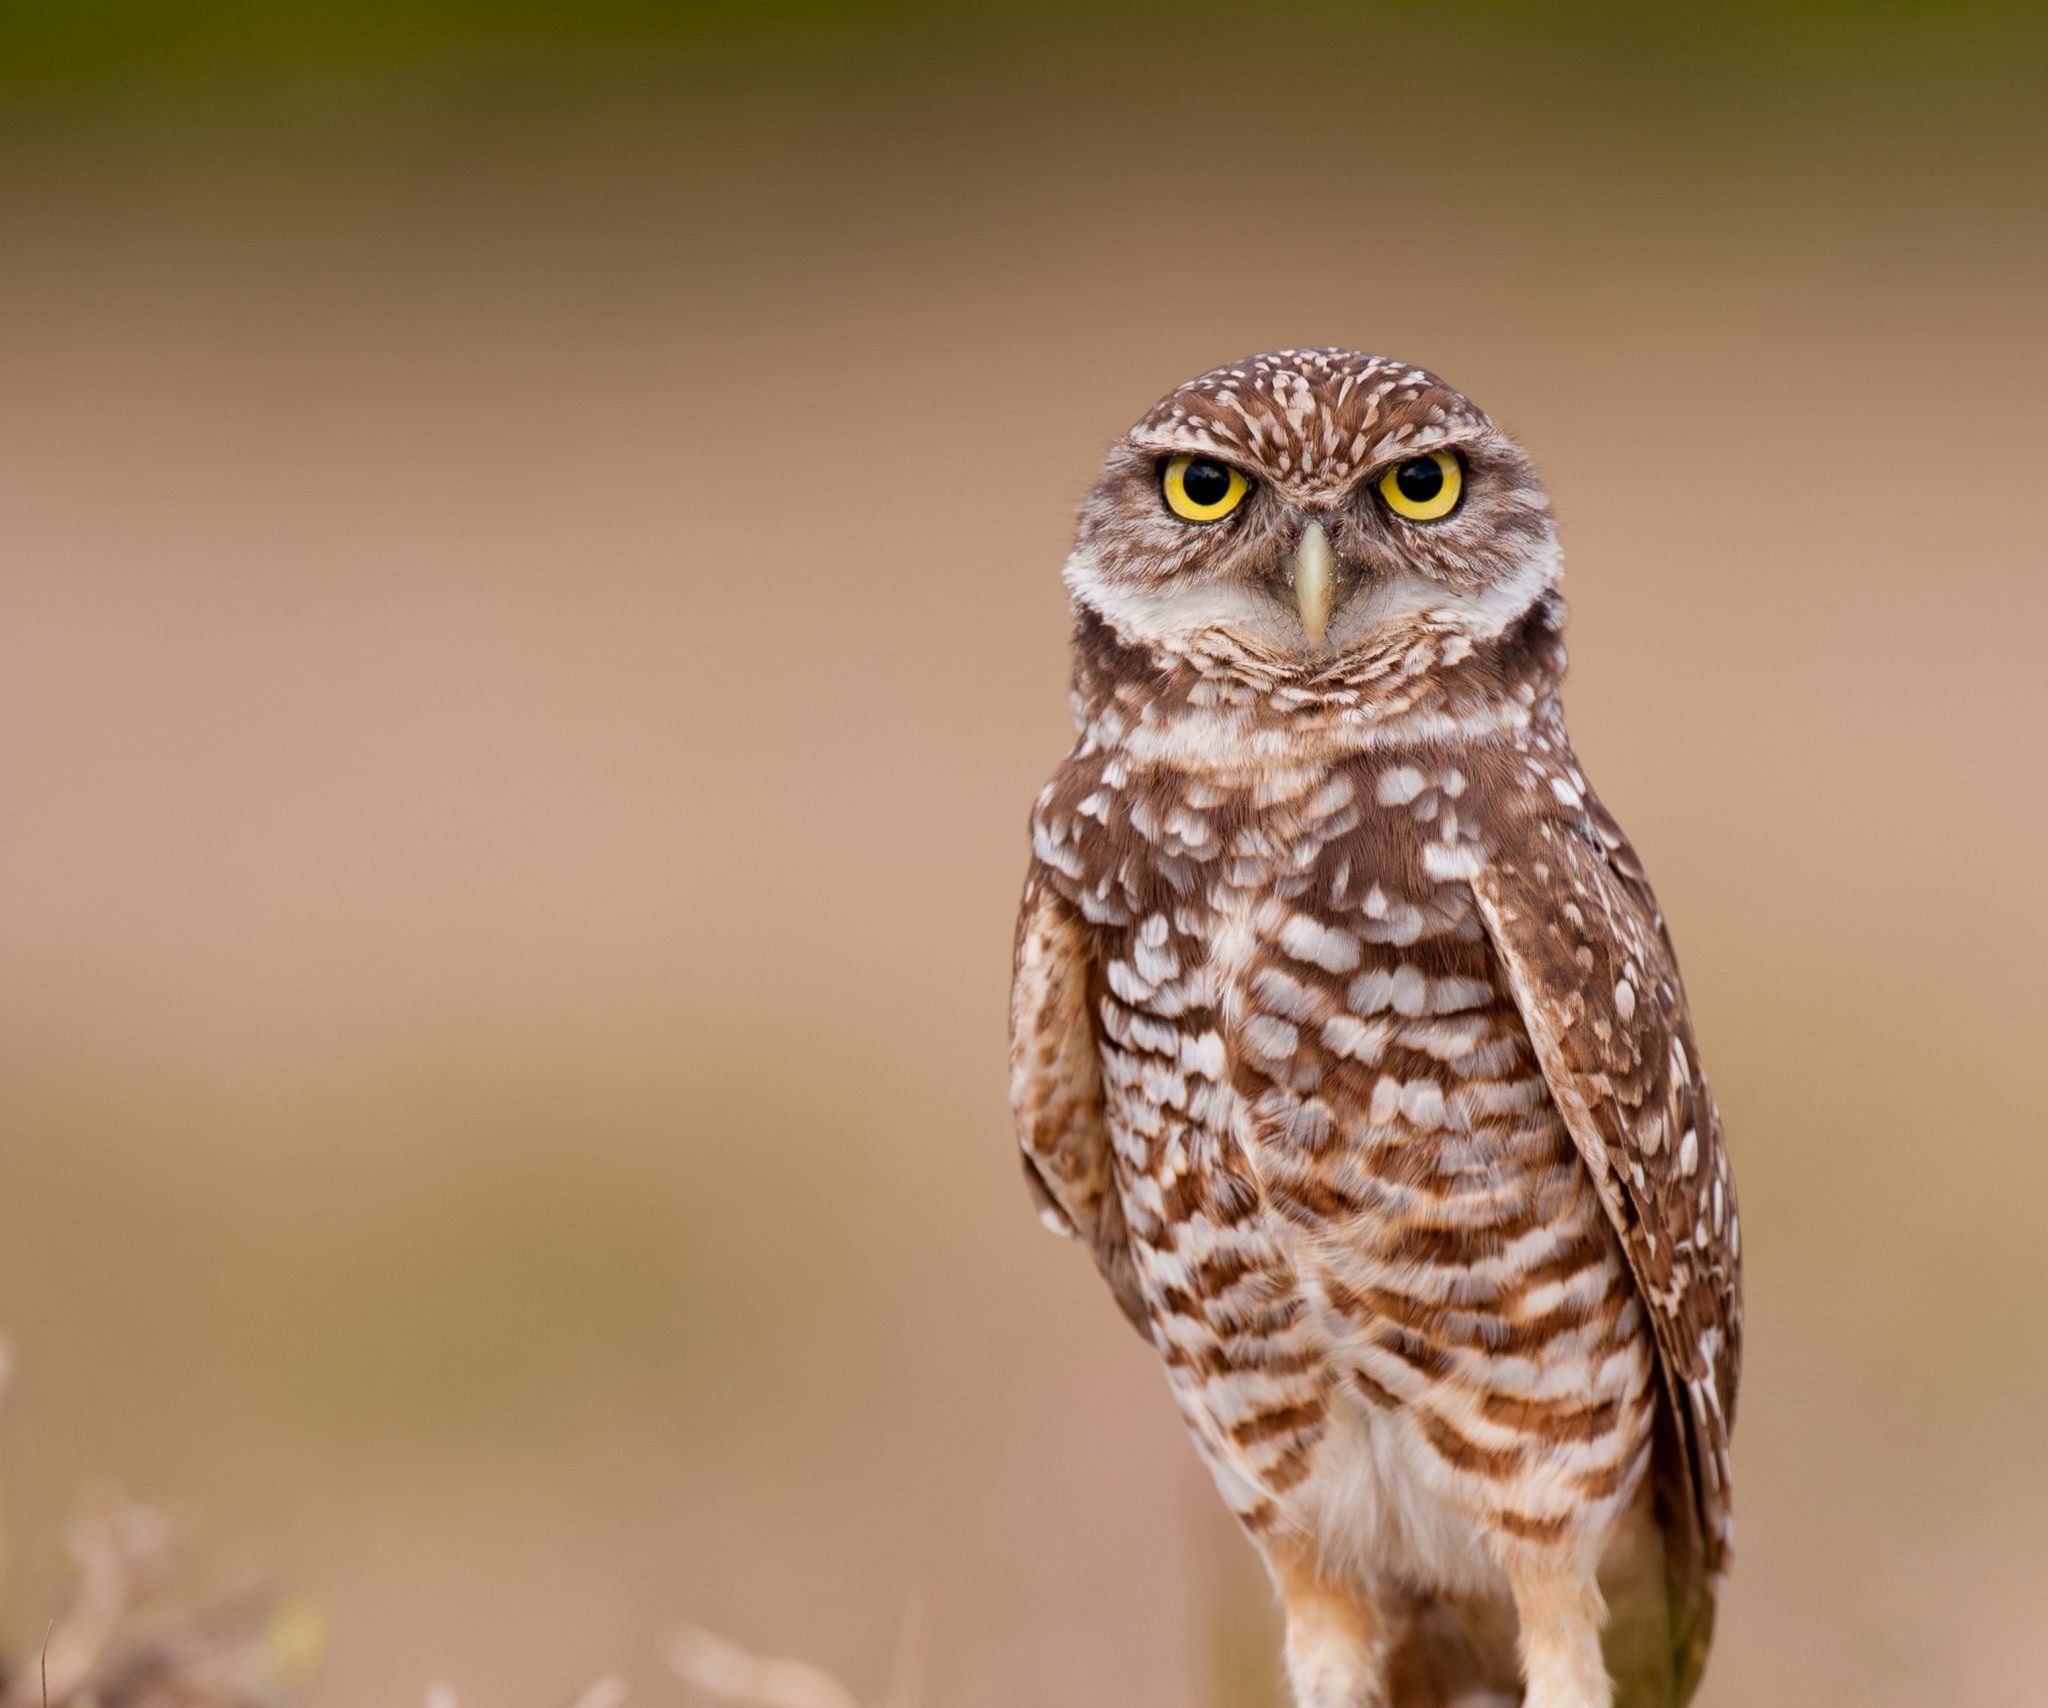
(1400, 785)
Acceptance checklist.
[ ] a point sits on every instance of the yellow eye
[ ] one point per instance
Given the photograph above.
(1424, 488)
(1200, 489)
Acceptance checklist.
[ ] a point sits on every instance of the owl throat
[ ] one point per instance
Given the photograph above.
(1207, 706)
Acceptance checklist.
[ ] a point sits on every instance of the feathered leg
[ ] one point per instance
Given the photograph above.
(1558, 1605)
(1337, 1635)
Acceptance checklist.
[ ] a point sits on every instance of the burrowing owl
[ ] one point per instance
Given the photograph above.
(1348, 1038)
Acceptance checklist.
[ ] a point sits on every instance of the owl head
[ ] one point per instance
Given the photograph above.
(1304, 508)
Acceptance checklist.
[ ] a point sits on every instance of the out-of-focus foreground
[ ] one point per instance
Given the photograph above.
(530, 628)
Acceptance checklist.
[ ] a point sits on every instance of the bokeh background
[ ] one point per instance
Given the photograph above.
(529, 542)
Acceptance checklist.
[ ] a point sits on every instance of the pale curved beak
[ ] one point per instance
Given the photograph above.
(1312, 571)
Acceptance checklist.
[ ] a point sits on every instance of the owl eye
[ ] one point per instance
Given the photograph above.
(1200, 489)
(1426, 488)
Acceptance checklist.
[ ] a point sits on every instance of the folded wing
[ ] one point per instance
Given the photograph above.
(1583, 941)
(1056, 1088)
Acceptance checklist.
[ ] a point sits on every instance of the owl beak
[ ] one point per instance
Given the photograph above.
(1312, 572)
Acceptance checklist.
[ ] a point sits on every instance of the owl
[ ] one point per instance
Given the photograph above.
(1348, 1039)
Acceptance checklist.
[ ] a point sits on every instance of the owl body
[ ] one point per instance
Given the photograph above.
(1347, 1037)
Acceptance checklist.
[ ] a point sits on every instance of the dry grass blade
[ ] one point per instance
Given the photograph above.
(129, 1639)
(125, 1642)
(120, 1552)
(606, 1692)
(913, 1651)
(724, 1670)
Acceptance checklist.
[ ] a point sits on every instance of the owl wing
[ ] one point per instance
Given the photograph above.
(1592, 969)
(1056, 1087)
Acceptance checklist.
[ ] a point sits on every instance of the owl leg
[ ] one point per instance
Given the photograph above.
(1558, 1606)
(1336, 1635)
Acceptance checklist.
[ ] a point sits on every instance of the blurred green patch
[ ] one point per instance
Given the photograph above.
(64, 47)
(478, 1258)
(461, 1307)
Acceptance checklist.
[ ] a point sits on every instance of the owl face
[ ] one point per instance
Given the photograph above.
(1300, 508)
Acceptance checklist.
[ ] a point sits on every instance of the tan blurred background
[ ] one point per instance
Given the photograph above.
(529, 544)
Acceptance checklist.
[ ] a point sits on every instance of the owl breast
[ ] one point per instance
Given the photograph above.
(1390, 1304)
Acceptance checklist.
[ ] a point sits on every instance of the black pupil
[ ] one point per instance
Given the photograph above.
(1205, 482)
(1420, 479)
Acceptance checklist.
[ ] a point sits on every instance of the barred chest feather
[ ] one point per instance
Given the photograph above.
(1391, 1307)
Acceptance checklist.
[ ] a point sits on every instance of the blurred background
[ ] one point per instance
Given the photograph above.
(529, 626)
